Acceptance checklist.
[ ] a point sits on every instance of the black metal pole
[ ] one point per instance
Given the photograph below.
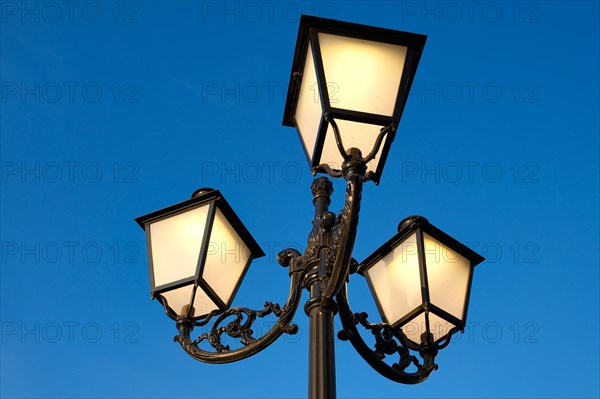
(321, 363)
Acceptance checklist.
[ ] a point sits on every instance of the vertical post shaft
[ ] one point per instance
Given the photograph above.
(321, 383)
(321, 363)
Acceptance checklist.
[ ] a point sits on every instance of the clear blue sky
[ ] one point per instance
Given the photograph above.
(110, 110)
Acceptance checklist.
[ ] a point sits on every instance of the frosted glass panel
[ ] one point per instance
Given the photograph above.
(438, 327)
(448, 277)
(414, 328)
(395, 281)
(354, 134)
(176, 243)
(227, 258)
(180, 297)
(366, 75)
(308, 110)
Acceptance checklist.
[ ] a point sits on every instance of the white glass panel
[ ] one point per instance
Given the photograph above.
(448, 277)
(354, 134)
(438, 327)
(202, 303)
(363, 75)
(181, 297)
(395, 281)
(227, 258)
(414, 328)
(308, 110)
(176, 243)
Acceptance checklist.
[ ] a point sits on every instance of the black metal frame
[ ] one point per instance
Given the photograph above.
(214, 200)
(308, 33)
(419, 225)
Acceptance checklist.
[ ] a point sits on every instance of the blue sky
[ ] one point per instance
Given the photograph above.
(110, 110)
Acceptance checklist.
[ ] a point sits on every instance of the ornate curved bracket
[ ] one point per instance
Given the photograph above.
(388, 341)
(240, 327)
(344, 231)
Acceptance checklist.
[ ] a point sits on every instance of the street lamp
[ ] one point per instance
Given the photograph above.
(199, 250)
(349, 85)
(431, 272)
(198, 254)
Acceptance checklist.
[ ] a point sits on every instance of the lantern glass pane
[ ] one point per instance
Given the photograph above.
(365, 74)
(448, 277)
(227, 258)
(175, 245)
(180, 297)
(437, 326)
(354, 135)
(395, 281)
(308, 110)
(414, 328)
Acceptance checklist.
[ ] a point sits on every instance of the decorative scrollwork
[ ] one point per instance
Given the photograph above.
(386, 344)
(240, 327)
(344, 230)
(335, 240)
(285, 257)
(388, 341)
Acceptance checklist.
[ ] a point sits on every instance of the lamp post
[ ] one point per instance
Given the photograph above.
(348, 87)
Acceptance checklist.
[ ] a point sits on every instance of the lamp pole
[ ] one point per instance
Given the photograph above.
(321, 361)
(324, 280)
(420, 278)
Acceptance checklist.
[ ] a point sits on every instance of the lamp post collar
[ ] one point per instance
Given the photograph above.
(354, 164)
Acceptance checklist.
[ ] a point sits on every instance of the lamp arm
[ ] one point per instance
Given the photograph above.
(345, 228)
(388, 342)
(238, 328)
(343, 237)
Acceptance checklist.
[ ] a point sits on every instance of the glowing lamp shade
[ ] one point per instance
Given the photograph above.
(357, 75)
(198, 254)
(421, 280)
